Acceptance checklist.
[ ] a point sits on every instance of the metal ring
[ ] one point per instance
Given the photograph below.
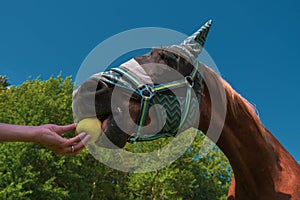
(145, 91)
(190, 80)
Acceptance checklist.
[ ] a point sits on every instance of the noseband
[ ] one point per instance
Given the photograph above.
(151, 94)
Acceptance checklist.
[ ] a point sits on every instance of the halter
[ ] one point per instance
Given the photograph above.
(156, 94)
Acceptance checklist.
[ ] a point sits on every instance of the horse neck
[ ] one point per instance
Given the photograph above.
(258, 160)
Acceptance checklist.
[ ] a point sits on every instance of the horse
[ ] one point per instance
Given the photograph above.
(263, 168)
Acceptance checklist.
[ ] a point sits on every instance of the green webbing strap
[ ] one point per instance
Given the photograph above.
(168, 86)
(195, 70)
(131, 78)
(186, 107)
(143, 115)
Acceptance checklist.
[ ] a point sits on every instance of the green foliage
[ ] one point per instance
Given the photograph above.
(29, 171)
(3, 82)
(186, 178)
(36, 102)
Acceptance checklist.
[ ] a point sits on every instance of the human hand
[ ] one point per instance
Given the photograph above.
(50, 136)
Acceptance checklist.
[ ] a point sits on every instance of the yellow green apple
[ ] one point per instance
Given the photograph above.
(91, 126)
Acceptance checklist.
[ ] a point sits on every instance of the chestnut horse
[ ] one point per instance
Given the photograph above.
(262, 168)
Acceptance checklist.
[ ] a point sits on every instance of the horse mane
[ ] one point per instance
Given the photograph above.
(236, 103)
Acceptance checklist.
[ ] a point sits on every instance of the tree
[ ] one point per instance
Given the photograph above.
(189, 177)
(29, 171)
(3, 82)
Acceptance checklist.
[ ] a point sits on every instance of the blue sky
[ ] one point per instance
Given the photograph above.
(255, 45)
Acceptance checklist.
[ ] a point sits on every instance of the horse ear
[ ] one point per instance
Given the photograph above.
(195, 42)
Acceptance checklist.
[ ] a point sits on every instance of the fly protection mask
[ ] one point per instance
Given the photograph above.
(180, 112)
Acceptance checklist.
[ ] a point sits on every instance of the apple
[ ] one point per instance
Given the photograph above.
(91, 126)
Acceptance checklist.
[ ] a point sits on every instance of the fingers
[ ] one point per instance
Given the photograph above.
(79, 146)
(75, 139)
(76, 144)
(66, 128)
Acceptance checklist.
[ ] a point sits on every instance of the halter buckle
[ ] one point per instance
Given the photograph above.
(146, 92)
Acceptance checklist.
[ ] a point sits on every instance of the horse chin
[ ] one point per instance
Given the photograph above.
(113, 137)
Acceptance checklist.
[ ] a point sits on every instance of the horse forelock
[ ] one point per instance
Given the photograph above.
(171, 57)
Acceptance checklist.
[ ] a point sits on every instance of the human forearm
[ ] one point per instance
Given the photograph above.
(48, 135)
(17, 133)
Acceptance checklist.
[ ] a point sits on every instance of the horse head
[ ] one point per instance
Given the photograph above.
(150, 96)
